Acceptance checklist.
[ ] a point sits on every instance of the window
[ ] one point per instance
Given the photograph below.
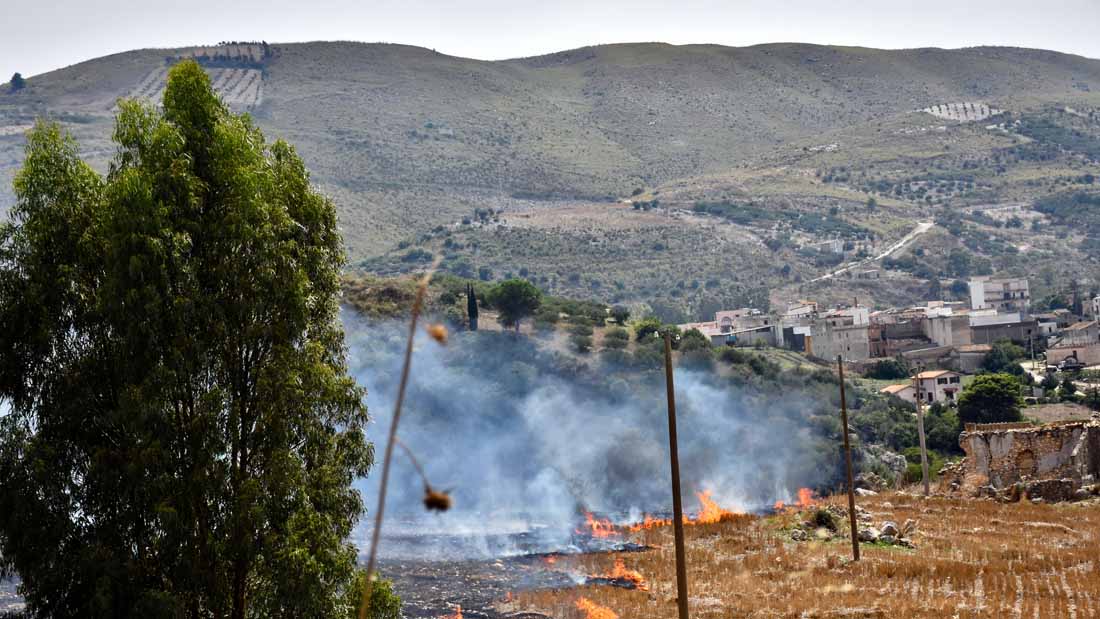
(954, 380)
(941, 381)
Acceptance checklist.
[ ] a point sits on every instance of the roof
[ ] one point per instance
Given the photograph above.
(974, 348)
(894, 389)
(935, 374)
(1080, 326)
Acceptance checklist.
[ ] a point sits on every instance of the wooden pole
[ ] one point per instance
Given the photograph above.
(920, 435)
(848, 462)
(677, 504)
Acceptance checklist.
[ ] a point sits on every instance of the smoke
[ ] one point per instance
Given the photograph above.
(526, 439)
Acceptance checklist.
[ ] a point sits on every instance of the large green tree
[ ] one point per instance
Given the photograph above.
(990, 398)
(515, 299)
(183, 433)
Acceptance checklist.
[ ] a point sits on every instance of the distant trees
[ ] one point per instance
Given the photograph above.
(1004, 357)
(620, 314)
(990, 398)
(17, 82)
(888, 369)
(646, 327)
(515, 299)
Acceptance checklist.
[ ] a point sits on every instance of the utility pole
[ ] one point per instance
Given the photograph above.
(920, 432)
(848, 462)
(677, 504)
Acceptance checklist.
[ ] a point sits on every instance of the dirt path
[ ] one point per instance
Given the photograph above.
(921, 228)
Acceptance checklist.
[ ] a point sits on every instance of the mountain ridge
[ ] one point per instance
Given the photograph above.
(409, 141)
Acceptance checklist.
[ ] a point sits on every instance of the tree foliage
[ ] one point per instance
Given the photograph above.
(17, 82)
(990, 398)
(1004, 357)
(183, 433)
(515, 299)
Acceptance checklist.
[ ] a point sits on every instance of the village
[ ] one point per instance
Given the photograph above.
(942, 341)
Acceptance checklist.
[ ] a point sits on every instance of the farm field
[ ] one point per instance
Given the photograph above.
(973, 558)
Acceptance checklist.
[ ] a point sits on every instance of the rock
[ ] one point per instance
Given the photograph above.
(799, 535)
(869, 535)
(905, 543)
(870, 481)
(889, 540)
(865, 492)
(887, 505)
(889, 528)
(908, 527)
(1082, 495)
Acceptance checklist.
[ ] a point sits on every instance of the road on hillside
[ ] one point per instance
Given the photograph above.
(921, 228)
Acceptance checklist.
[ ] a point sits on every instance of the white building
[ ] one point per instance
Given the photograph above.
(939, 386)
(1000, 295)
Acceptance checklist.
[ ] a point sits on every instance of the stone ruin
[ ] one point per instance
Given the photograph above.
(1054, 462)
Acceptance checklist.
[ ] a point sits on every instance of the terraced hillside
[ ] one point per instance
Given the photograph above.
(746, 164)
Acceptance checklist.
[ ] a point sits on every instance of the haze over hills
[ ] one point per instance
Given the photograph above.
(781, 144)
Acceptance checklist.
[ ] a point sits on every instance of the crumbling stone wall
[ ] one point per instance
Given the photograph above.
(1003, 454)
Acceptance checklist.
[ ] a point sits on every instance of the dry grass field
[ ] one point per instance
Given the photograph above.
(973, 558)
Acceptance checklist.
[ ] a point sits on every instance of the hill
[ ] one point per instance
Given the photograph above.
(780, 144)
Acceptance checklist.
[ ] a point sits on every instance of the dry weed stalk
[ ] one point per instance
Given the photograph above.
(372, 556)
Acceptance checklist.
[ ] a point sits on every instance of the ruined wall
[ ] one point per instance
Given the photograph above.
(1007, 453)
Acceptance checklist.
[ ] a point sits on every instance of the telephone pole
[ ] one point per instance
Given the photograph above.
(848, 463)
(920, 432)
(677, 504)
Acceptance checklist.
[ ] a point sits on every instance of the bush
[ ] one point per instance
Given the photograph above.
(620, 314)
(693, 339)
(384, 603)
(733, 356)
(888, 369)
(581, 343)
(646, 327)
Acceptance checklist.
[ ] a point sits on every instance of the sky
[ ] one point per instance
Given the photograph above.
(42, 35)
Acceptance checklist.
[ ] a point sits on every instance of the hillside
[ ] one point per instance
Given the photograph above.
(782, 142)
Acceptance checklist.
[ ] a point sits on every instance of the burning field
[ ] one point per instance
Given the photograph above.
(972, 558)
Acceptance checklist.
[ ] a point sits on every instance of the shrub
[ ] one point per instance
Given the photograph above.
(888, 369)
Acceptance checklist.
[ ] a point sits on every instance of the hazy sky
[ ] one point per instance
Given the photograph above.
(40, 35)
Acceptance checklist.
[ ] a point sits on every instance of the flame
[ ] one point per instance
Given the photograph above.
(806, 497)
(550, 560)
(622, 573)
(457, 615)
(711, 512)
(593, 610)
(779, 506)
(649, 522)
(600, 528)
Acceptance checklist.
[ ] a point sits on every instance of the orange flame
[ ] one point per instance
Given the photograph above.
(806, 497)
(649, 522)
(550, 560)
(779, 506)
(457, 615)
(593, 610)
(711, 512)
(600, 528)
(621, 572)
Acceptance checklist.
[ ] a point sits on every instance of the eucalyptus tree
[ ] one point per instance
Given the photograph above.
(183, 432)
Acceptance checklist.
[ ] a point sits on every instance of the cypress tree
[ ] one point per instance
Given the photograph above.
(471, 306)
